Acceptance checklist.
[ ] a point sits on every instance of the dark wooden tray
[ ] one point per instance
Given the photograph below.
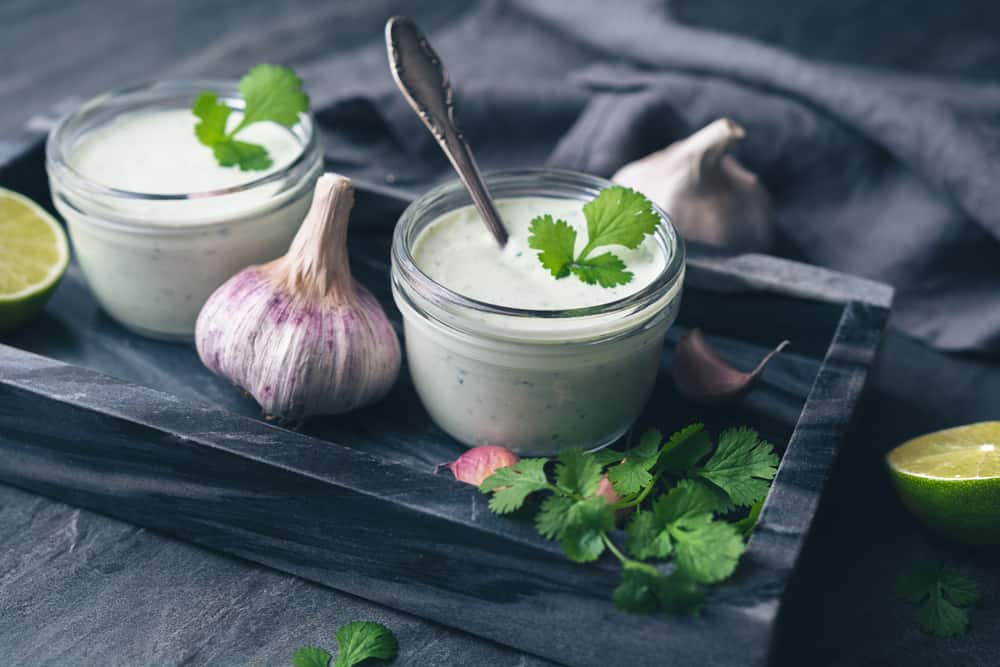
(95, 416)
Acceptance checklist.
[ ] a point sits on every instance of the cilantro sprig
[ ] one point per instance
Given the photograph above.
(270, 93)
(617, 216)
(942, 593)
(680, 491)
(356, 642)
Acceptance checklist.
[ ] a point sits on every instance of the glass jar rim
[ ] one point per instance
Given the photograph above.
(56, 149)
(437, 294)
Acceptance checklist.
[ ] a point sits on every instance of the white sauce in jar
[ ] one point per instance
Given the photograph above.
(537, 385)
(457, 251)
(151, 262)
(156, 152)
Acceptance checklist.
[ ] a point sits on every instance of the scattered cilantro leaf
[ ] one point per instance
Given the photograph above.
(362, 640)
(645, 537)
(942, 592)
(958, 588)
(616, 216)
(706, 550)
(644, 589)
(649, 444)
(685, 449)
(632, 474)
(511, 485)
(311, 656)
(747, 524)
(679, 593)
(684, 501)
(939, 617)
(270, 93)
(742, 466)
(608, 456)
(638, 590)
(555, 514)
(681, 524)
(578, 473)
(583, 538)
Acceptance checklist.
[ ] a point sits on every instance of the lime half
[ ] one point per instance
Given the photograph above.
(950, 480)
(34, 254)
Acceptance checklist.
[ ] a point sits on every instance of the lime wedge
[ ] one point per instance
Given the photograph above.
(950, 480)
(34, 254)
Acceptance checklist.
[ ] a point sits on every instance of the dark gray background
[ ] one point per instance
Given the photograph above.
(78, 588)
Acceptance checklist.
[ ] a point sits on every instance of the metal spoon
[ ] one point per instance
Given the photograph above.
(424, 83)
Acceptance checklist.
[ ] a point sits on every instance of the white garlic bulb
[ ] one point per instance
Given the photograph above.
(709, 196)
(299, 334)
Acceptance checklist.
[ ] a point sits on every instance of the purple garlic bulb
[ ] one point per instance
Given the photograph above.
(299, 334)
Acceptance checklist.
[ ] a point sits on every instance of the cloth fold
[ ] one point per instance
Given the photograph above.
(889, 176)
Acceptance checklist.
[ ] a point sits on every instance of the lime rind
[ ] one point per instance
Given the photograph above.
(950, 480)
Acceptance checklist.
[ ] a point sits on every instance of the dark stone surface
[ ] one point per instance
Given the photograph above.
(122, 596)
(82, 589)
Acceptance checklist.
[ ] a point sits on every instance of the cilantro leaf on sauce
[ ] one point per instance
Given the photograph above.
(270, 93)
(617, 216)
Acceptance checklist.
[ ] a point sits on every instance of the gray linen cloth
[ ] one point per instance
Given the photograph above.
(889, 176)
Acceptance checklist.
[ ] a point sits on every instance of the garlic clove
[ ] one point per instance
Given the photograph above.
(478, 463)
(702, 376)
(709, 196)
(607, 491)
(299, 334)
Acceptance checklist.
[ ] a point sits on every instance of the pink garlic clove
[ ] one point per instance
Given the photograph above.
(607, 491)
(702, 376)
(709, 196)
(478, 463)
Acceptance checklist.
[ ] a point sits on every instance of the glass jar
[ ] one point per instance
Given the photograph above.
(152, 260)
(535, 381)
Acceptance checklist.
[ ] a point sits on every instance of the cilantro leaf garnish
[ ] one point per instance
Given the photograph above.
(742, 466)
(311, 656)
(676, 488)
(362, 640)
(617, 216)
(942, 592)
(270, 93)
(356, 642)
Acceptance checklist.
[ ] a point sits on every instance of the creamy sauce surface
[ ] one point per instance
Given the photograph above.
(157, 152)
(457, 251)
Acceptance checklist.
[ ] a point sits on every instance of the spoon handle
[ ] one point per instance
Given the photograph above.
(422, 79)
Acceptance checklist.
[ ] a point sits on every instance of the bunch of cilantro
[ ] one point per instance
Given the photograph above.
(677, 493)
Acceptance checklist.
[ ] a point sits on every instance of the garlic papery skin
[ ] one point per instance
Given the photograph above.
(709, 196)
(299, 334)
